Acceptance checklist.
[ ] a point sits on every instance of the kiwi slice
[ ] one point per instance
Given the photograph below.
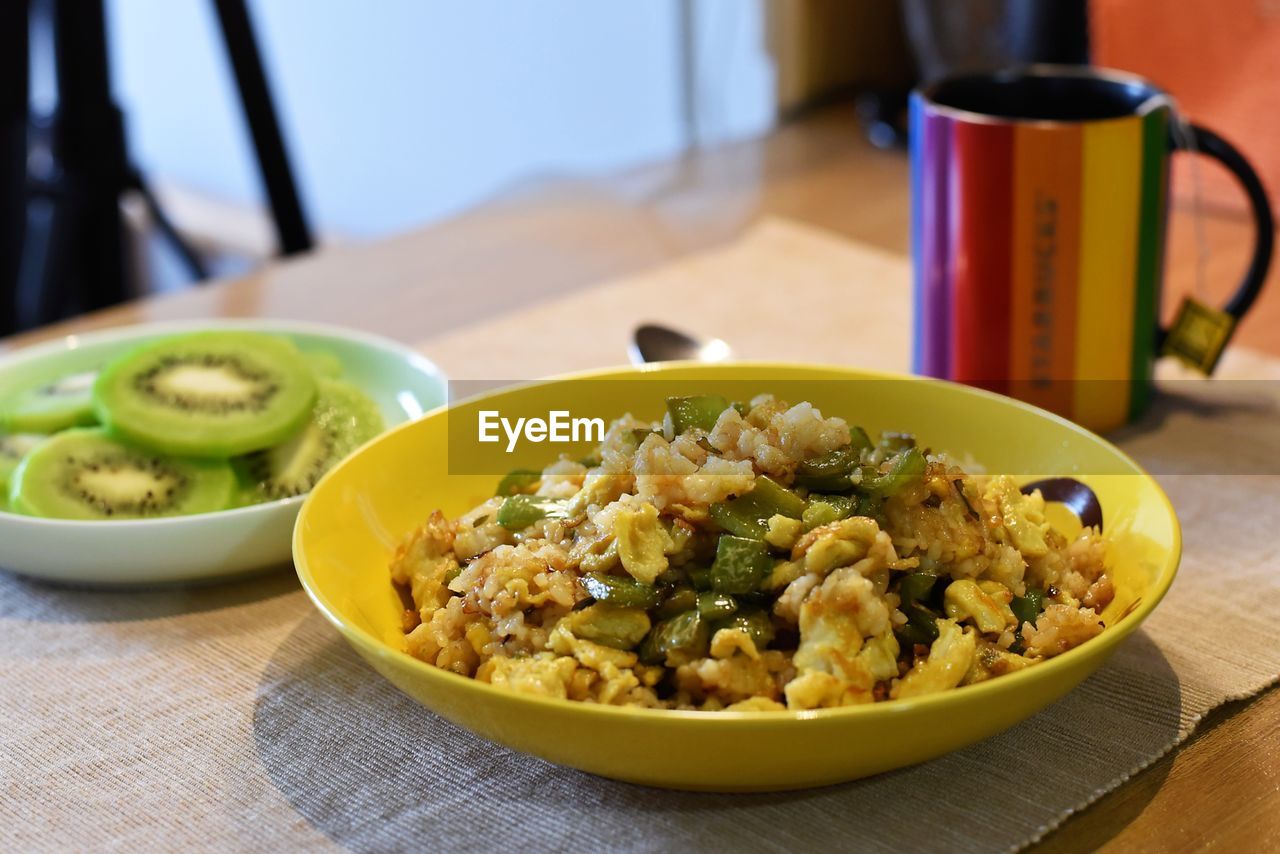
(323, 363)
(210, 394)
(55, 406)
(12, 449)
(86, 474)
(343, 419)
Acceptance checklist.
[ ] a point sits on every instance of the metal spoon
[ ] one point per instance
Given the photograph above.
(654, 343)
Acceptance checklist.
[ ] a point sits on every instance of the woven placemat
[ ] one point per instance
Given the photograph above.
(234, 716)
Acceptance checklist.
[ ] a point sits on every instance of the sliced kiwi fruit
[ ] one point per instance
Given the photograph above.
(87, 474)
(323, 363)
(209, 394)
(54, 406)
(342, 420)
(13, 447)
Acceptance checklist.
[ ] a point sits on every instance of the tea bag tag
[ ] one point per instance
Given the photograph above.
(1200, 332)
(1198, 336)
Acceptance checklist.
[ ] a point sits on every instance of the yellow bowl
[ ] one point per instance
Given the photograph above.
(354, 518)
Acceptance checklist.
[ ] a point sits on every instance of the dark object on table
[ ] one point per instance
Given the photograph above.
(64, 173)
(882, 113)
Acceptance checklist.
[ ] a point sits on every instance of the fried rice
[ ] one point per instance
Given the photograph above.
(748, 556)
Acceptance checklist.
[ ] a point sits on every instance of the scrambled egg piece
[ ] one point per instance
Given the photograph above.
(728, 679)
(478, 531)
(601, 556)
(621, 628)
(617, 670)
(986, 604)
(836, 544)
(591, 654)
(783, 531)
(990, 661)
(756, 704)
(836, 665)
(435, 641)
(1021, 515)
(726, 642)
(643, 543)
(544, 674)
(426, 563)
(948, 662)
(856, 542)
(598, 489)
(784, 572)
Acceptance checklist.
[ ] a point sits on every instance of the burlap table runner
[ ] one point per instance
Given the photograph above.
(233, 716)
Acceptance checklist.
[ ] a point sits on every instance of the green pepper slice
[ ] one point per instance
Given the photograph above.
(740, 565)
(617, 590)
(639, 434)
(700, 578)
(830, 471)
(517, 481)
(1027, 608)
(921, 627)
(859, 440)
(716, 606)
(871, 506)
(672, 576)
(907, 466)
(699, 411)
(677, 601)
(922, 624)
(748, 515)
(895, 443)
(687, 632)
(909, 636)
(825, 509)
(916, 587)
(737, 522)
(520, 511)
(774, 499)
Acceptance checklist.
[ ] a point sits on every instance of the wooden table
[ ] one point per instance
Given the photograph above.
(1221, 787)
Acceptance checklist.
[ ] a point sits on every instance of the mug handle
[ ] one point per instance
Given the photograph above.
(1204, 141)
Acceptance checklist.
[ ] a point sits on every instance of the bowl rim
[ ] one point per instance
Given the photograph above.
(75, 341)
(1045, 670)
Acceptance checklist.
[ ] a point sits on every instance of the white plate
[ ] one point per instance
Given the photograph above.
(208, 545)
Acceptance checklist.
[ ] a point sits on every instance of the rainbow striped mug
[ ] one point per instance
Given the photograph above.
(1039, 198)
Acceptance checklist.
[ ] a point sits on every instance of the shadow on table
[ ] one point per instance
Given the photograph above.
(372, 769)
(24, 598)
(1197, 419)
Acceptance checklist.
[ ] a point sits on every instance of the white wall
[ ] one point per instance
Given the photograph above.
(398, 112)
